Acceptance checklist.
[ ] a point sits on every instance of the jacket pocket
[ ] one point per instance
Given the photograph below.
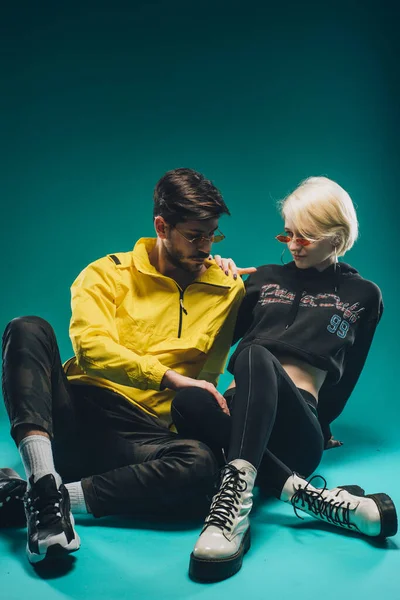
(136, 334)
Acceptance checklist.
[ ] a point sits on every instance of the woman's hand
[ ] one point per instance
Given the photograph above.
(332, 443)
(228, 265)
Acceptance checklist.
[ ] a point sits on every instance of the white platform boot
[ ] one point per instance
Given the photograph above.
(225, 537)
(346, 506)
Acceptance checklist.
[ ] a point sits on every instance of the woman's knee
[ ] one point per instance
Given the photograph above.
(255, 358)
(192, 402)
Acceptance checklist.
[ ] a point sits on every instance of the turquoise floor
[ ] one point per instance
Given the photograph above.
(289, 558)
(101, 99)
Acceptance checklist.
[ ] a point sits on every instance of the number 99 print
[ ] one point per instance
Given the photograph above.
(338, 326)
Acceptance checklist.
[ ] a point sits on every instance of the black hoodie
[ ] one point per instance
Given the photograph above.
(327, 319)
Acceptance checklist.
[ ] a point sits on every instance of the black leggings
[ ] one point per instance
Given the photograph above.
(273, 424)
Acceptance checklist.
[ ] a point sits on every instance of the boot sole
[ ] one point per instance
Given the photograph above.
(386, 507)
(387, 511)
(208, 570)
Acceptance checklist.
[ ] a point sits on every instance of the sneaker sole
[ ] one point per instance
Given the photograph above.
(208, 570)
(57, 549)
(387, 511)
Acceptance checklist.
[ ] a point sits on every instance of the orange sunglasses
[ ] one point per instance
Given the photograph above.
(285, 239)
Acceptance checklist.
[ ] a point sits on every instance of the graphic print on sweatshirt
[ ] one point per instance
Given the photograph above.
(272, 293)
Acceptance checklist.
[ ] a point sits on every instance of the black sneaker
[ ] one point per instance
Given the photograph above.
(50, 523)
(12, 491)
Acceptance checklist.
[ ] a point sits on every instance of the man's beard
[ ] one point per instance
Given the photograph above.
(181, 262)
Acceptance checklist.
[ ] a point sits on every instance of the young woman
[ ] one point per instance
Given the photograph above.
(306, 330)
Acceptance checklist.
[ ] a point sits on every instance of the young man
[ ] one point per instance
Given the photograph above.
(145, 324)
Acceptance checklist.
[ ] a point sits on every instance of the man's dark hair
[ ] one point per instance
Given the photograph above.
(185, 195)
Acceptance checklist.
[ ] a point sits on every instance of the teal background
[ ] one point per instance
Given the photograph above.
(98, 100)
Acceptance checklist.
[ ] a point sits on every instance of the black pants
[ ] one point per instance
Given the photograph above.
(273, 424)
(129, 461)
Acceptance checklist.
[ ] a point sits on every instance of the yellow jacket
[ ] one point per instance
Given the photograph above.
(130, 324)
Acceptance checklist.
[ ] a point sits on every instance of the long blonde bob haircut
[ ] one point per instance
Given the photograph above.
(320, 208)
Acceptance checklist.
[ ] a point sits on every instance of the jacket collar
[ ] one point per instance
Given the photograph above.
(140, 256)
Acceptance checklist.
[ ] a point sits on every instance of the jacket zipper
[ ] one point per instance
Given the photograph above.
(182, 309)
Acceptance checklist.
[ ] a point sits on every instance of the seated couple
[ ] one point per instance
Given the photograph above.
(134, 424)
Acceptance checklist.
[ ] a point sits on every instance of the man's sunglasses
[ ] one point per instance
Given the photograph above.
(216, 237)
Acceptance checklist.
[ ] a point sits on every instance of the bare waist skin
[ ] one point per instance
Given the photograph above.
(302, 374)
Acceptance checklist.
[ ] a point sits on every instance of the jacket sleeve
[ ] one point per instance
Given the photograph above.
(245, 314)
(216, 358)
(333, 398)
(94, 333)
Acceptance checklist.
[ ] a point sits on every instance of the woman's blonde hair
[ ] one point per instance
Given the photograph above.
(320, 208)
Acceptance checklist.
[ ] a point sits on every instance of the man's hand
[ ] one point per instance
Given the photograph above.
(175, 381)
(228, 265)
(332, 443)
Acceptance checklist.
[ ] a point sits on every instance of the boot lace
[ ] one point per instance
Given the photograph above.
(333, 511)
(226, 502)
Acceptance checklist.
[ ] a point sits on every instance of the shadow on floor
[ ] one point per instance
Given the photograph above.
(311, 525)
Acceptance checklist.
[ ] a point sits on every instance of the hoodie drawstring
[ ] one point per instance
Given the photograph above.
(294, 308)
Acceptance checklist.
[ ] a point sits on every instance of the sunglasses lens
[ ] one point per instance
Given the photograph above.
(218, 238)
(283, 238)
(303, 241)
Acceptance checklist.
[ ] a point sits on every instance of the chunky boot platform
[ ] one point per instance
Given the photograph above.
(225, 537)
(373, 515)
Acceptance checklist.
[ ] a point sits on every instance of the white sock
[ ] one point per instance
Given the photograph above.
(37, 458)
(78, 504)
